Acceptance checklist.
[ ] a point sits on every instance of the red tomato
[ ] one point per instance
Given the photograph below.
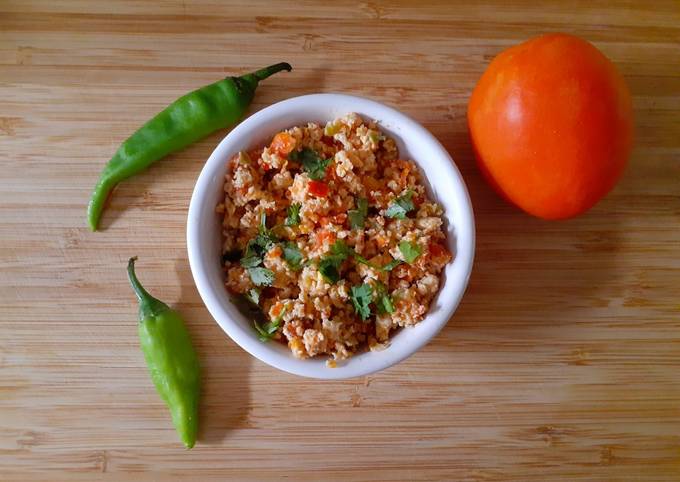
(324, 235)
(551, 125)
(318, 188)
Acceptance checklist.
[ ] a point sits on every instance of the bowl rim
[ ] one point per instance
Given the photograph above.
(261, 350)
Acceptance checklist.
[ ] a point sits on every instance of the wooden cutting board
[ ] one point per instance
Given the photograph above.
(562, 362)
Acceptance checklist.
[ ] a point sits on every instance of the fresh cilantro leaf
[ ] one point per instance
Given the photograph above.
(329, 265)
(293, 218)
(251, 261)
(253, 249)
(400, 206)
(388, 267)
(383, 301)
(357, 217)
(330, 269)
(261, 276)
(292, 255)
(266, 241)
(261, 243)
(253, 295)
(391, 265)
(314, 164)
(362, 260)
(340, 248)
(384, 304)
(411, 251)
(245, 306)
(361, 297)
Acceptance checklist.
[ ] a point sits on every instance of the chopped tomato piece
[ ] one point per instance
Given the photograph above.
(283, 143)
(337, 219)
(318, 188)
(277, 308)
(323, 236)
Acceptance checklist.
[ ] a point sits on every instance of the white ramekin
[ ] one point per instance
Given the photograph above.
(443, 181)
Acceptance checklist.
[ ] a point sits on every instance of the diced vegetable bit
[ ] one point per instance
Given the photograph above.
(261, 276)
(375, 137)
(267, 331)
(253, 295)
(400, 206)
(292, 255)
(283, 143)
(361, 297)
(411, 251)
(244, 158)
(293, 218)
(357, 217)
(331, 129)
(311, 162)
(383, 301)
(335, 219)
(318, 188)
(329, 265)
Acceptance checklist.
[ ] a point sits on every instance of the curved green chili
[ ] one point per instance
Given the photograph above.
(171, 359)
(188, 119)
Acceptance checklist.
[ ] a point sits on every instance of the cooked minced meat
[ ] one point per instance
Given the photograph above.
(332, 236)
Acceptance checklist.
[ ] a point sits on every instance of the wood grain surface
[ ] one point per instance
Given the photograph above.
(562, 362)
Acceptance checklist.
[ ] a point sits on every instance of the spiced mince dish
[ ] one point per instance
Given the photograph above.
(331, 243)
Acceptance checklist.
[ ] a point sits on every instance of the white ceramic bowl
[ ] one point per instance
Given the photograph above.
(444, 183)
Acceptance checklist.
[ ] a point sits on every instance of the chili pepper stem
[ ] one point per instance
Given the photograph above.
(271, 70)
(148, 305)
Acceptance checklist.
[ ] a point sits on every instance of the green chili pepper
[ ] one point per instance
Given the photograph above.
(171, 359)
(188, 119)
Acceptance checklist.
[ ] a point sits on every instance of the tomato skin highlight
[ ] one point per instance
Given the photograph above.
(318, 188)
(551, 125)
(283, 143)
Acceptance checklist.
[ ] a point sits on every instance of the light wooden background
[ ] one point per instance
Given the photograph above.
(562, 363)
